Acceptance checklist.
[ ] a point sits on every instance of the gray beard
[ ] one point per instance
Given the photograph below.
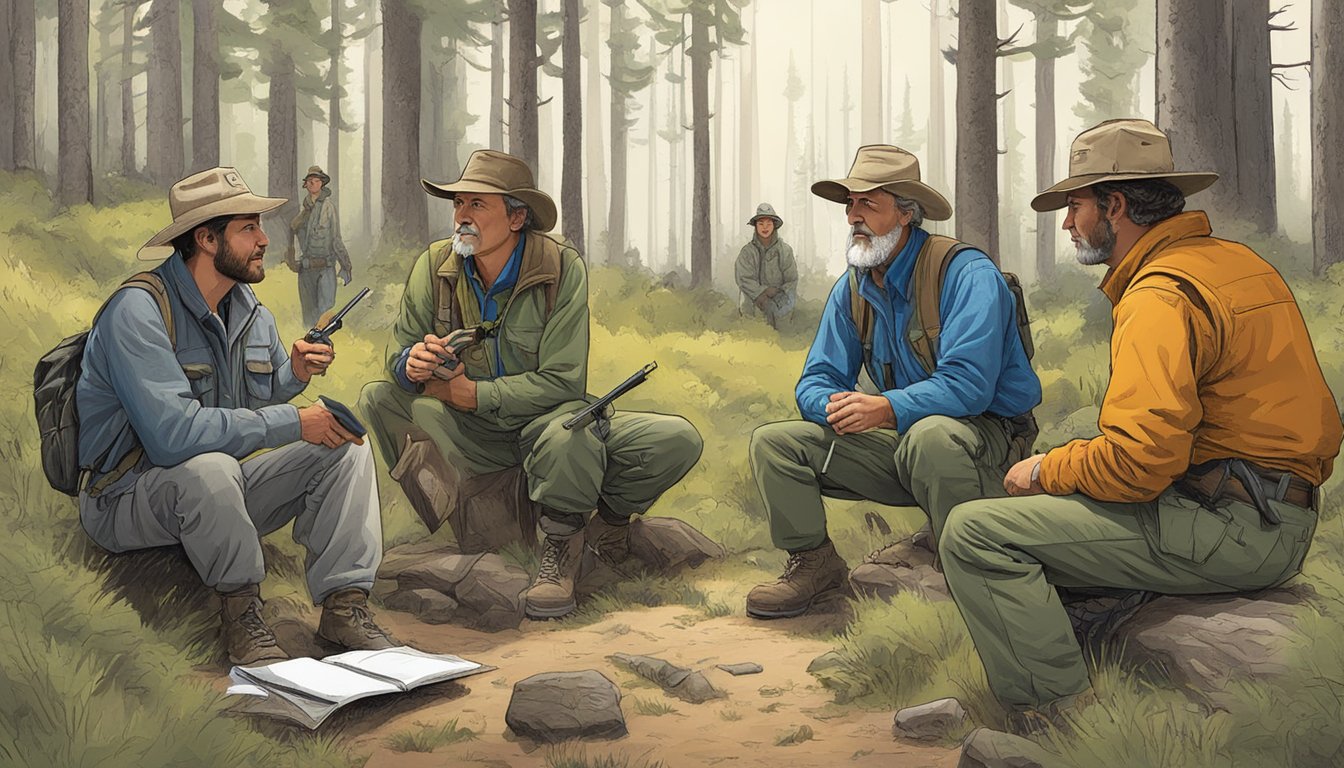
(875, 252)
(1091, 255)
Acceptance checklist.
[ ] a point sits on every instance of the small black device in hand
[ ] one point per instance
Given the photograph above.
(344, 416)
(323, 335)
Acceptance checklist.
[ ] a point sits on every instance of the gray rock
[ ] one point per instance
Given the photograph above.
(491, 593)
(555, 706)
(680, 682)
(696, 689)
(429, 605)
(986, 748)
(884, 581)
(929, 721)
(441, 572)
(397, 559)
(745, 668)
(492, 511)
(665, 544)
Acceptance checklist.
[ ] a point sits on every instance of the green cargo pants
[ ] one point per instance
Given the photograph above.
(1004, 557)
(937, 464)
(569, 472)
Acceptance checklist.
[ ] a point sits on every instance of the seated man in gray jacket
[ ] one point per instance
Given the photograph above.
(172, 398)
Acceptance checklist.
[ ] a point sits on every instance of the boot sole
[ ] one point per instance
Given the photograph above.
(533, 612)
(826, 594)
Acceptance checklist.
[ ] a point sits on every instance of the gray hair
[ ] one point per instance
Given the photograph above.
(912, 207)
(512, 204)
(1149, 200)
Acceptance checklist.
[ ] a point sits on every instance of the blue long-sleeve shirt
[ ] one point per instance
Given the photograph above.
(981, 364)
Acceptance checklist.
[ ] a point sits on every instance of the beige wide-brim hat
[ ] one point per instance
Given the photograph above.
(882, 166)
(1121, 150)
(497, 173)
(201, 197)
(765, 211)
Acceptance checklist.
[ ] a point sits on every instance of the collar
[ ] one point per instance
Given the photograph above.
(764, 246)
(240, 299)
(1162, 236)
(508, 276)
(902, 267)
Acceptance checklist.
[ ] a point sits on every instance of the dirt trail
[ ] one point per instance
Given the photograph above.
(738, 731)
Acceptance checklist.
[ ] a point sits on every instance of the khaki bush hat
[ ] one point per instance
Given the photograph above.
(1121, 150)
(765, 211)
(882, 166)
(203, 196)
(497, 173)
(316, 170)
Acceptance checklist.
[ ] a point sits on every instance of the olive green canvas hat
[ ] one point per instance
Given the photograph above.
(497, 173)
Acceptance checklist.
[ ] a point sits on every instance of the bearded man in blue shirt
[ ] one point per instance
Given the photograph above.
(955, 389)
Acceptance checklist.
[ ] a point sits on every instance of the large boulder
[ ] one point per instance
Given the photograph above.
(429, 605)
(555, 706)
(493, 510)
(665, 544)
(906, 566)
(986, 748)
(929, 721)
(486, 590)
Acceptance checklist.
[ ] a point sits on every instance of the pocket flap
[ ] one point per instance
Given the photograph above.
(198, 371)
(1187, 530)
(260, 366)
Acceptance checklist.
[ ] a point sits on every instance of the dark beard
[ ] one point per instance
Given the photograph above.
(235, 267)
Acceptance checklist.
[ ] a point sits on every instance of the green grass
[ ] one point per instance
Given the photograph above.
(569, 756)
(426, 737)
(652, 707)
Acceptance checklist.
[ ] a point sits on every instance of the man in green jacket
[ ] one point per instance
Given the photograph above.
(318, 233)
(767, 274)
(499, 400)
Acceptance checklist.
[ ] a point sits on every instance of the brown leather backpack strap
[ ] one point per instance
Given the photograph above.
(447, 313)
(861, 312)
(927, 282)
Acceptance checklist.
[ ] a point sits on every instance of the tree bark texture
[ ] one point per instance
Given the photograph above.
(497, 87)
(366, 182)
(1327, 126)
(1193, 95)
(74, 175)
(23, 32)
(1253, 113)
(6, 87)
(619, 136)
(165, 155)
(937, 144)
(333, 168)
(1047, 28)
(594, 147)
(205, 87)
(702, 244)
(523, 81)
(977, 128)
(282, 142)
(102, 121)
(747, 139)
(128, 164)
(405, 210)
(871, 41)
(571, 171)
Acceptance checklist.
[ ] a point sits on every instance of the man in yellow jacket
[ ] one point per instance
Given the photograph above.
(1217, 428)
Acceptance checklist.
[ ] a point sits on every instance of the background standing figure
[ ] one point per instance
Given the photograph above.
(767, 274)
(319, 238)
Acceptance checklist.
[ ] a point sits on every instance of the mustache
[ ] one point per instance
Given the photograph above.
(861, 229)
(467, 229)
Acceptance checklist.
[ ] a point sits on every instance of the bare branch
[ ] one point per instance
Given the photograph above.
(999, 96)
(1306, 63)
(545, 101)
(1283, 80)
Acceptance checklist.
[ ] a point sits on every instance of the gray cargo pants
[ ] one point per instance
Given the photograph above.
(217, 508)
(317, 293)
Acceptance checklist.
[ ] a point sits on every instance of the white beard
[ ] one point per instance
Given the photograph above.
(461, 248)
(1090, 255)
(874, 251)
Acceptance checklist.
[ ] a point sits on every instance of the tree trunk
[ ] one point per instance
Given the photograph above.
(102, 124)
(871, 108)
(128, 165)
(523, 81)
(977, 124)
(1327, 125)
(74, 179)
(497, 87)
(1047, 27)
(619, 130)
(747, 139)
(205, 87)
(163, 115)
(6, 87)
(24, 36)
(1253, 109)
(571, 173)
(702, 249)
(405, 213)
(1193, 93)
(652, 255)
(366, 180)
(936, 156)
(282, 145)
(333, 168)
(593, 146)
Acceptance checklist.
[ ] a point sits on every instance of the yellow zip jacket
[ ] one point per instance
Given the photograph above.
(1210, 359)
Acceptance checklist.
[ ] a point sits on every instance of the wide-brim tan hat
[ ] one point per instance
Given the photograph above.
(1121, 150)
(201, 197)
(882, 166)
(497, 173)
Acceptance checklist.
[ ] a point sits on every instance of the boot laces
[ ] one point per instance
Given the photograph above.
(791, 567)
(364, 618)
(551, 554)
(251, 621)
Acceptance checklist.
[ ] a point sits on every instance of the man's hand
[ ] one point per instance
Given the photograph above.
(319, 427)
(772, 292)
(458, 392)
(345, 274)
(427, 355)
(849, 413)
(309, 360)
(762, 300)
(1024, 479)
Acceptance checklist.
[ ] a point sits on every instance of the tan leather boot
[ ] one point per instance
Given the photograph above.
(348, 622)
(807, 576)
(246, 636)
(552, 592)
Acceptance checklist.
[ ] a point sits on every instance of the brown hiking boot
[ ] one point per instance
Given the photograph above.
(609, 542)
(807, 576)
(246, 636)
(348, 622)
(552, 592)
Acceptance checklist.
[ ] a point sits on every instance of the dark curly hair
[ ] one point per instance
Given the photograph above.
(1149, 200)
(185, 243)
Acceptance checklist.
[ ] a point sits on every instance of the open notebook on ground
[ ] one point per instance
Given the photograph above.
(308, 690)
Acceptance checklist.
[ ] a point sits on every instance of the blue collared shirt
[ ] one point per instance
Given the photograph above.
(488, 301)
(982, 366)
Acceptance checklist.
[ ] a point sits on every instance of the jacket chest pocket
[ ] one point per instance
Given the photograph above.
(524, 345)
(199, 368)
(258, 373)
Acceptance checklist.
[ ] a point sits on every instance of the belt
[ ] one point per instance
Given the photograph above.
(317, 263)
(1241, 480)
